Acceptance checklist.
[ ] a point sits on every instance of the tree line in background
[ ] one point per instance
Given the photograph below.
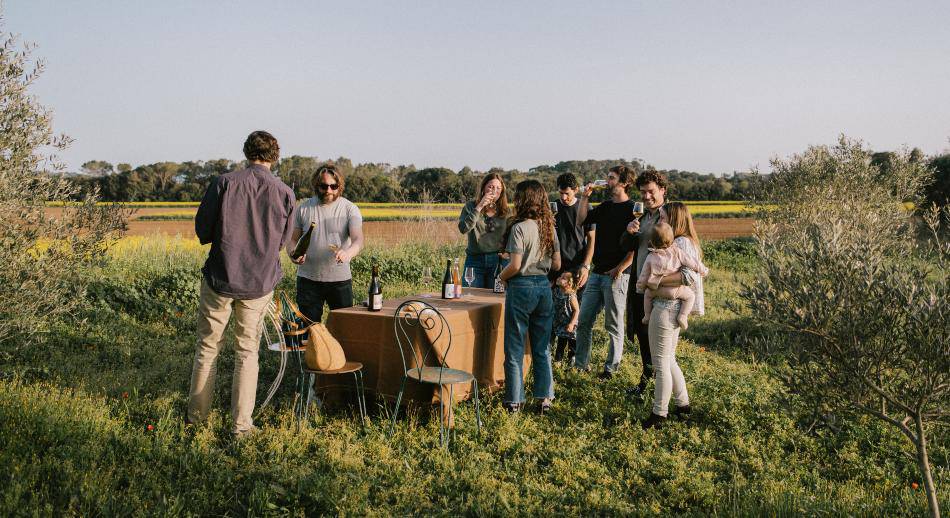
(187, 181)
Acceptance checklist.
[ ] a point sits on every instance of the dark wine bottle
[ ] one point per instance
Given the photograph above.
(448, 286)
(375, 291)
(303, 243)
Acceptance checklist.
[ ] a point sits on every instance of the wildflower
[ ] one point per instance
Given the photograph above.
(149, 428)
(913, 485)
(125, 395)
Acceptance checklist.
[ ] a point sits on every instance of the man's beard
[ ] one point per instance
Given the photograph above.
(328, 197)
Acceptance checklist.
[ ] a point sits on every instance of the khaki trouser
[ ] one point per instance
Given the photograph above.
(214, 311)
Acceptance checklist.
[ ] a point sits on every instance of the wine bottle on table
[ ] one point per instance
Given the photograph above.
(375, 291)
(303, 243)
(448, 287)
(499, 286)
(457, 278)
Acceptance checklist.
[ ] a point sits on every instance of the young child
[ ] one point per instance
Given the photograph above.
(665, 259)
(566, 312)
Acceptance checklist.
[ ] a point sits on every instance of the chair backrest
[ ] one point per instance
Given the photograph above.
(293, 323)
(417, 322)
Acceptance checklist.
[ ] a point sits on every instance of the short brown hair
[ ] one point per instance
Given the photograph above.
(330, 169)
(652, 176)
(261, 146)
(624, 173)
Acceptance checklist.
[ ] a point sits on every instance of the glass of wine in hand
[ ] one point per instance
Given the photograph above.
(426, 280)
(637, 209)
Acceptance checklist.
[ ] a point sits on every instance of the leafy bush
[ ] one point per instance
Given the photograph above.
(40, 253)
(846, 291)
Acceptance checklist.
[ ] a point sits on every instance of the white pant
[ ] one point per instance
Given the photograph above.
(664, 335)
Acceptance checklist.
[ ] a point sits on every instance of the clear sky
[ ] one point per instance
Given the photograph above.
(701, 86)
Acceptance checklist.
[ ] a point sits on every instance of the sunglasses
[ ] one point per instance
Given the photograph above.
(328, 186)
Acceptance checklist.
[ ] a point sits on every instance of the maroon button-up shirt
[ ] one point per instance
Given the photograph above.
(246, 216)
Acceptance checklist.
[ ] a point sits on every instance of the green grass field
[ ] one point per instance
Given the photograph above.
(92, 425)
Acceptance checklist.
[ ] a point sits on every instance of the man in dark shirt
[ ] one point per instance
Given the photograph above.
(605, 271)
(570, 232)
(246, 216)
(573, 239)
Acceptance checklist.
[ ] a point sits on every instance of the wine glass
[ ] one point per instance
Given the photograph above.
(469, 275)
(333, 243)
(637, 209)
(554, 208)
(426, 280)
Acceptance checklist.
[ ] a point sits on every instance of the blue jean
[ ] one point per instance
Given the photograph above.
(484, 267)
(602, 292)
(529, 313)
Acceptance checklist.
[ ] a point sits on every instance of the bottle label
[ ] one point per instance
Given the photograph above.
(458, 291)
(377, 302)
(448, 291)
(499, 286)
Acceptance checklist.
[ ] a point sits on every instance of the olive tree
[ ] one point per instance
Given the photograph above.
(41, 248)
(852, 291)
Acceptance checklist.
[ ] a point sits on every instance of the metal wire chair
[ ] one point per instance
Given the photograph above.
(417, 322)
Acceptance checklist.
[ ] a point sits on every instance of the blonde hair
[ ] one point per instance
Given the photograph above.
(571, 283)
(662, 236)
(682, 222)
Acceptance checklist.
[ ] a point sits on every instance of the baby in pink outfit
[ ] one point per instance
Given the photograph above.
(665, 259)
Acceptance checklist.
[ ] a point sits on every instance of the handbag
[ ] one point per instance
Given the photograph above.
(322, 352)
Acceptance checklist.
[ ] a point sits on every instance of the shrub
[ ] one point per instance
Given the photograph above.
(40, 253)
(844, 289)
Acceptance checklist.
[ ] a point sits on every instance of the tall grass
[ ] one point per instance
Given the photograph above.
(91, 425)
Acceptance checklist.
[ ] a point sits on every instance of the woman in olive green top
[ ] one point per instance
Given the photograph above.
(485, 222)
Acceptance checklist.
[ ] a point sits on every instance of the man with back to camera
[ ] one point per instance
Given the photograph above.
(246, 215)
(605, 271)
(323, 272)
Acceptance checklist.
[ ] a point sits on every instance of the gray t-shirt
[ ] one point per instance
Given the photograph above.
(334, 222)
(526, 240)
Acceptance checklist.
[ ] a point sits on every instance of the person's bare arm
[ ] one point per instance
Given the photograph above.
(672, 280)
(588, 257)
(582, 210)
(512, 269)
(619, 269)
(575, 313)
(556, 261)
(356, 245)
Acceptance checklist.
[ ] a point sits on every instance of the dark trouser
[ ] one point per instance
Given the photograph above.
(564, 342)
(312, 294)
(636, 328)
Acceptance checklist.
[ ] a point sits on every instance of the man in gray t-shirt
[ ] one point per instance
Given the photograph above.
(323, 274)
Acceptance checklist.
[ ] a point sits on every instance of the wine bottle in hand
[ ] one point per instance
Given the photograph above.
(303, 243)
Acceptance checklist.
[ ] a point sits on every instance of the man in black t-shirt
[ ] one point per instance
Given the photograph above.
(573, 239)
(570, 233)
(606, 268)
